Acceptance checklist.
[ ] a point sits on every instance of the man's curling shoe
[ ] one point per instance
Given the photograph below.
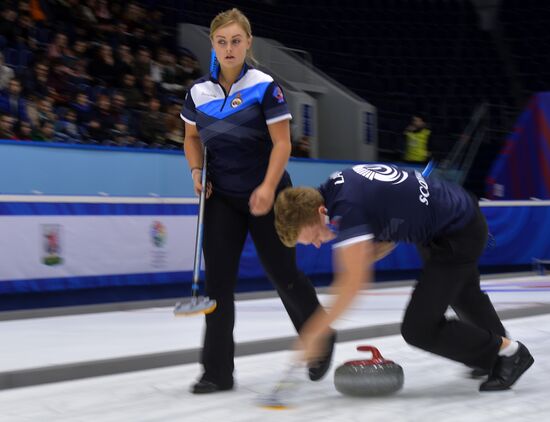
(508, 369)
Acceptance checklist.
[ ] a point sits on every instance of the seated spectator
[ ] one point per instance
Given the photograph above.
(152, 124)
(121, 35)
(124, 63)
(78, 73)
(130, 92)
(8, 25)
(6, 127)
(174, 126)
(68, 59)
(82, 107)
(45, 110)
(133, 15)
(25, 30)
(32, 111)
(103, 15)
(103, 67)
(102, 122)
(148, 92)
(46, 132)
(188, 70)
(86, 15)
(38, 79)
(122, 137)
(59, 85)
(6, 73)
(11, 101)
(81, 50)
(76, 62)
(417, 136)
(119, 110)
(24, 132)
(140, 39)
(59, 48)
(169, 79)
(24, 7)
(152, 25)
(143, 64)
(157, 64)
(66, 128)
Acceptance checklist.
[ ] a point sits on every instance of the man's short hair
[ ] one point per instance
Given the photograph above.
(296, 208)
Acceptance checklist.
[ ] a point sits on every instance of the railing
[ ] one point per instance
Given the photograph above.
(459, 161)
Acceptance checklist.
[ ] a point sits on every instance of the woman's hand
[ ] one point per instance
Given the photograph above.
(261, 200)
(197, 183)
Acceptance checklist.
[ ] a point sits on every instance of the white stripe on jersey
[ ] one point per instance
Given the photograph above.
(207, 91)
(353, 240)
(287, 116)
(187, 120)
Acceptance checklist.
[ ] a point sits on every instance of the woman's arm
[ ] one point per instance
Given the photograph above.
(263, 196)
(280, 136)
(193, 153)
(192, 146)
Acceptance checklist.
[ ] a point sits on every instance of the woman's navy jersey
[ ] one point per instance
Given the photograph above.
(386, 203)
(234, 127)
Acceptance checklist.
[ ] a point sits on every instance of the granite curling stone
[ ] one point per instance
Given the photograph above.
(364, 378)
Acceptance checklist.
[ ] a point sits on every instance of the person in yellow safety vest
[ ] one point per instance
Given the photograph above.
(417, 136)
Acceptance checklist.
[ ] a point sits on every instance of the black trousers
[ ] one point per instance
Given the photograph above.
(450, 277)
(227, 222)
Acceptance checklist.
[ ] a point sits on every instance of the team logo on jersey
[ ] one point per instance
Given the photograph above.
(237, 101)
(381, 173)
(424, 189)
(278, 94)
(338, 177)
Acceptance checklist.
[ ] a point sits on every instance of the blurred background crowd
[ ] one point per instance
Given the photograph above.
(94, 71)
(113, 73)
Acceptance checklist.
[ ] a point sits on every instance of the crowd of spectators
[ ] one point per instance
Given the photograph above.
(91, 71)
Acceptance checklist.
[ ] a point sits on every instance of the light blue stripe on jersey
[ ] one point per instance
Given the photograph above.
(249, 96)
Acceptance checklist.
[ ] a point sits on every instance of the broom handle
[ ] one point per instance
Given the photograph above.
(428, 169)
(200, 230)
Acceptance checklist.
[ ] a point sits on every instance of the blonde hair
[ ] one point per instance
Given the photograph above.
(228, 17)
(296, 208)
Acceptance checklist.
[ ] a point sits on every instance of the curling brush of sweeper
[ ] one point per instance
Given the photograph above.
(197, 304)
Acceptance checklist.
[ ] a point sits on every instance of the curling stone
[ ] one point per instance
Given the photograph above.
(374, 377)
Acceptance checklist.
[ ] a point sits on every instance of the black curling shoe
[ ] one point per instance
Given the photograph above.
(508, 369)
(206, 387)
(478, 373)
(318, 370)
